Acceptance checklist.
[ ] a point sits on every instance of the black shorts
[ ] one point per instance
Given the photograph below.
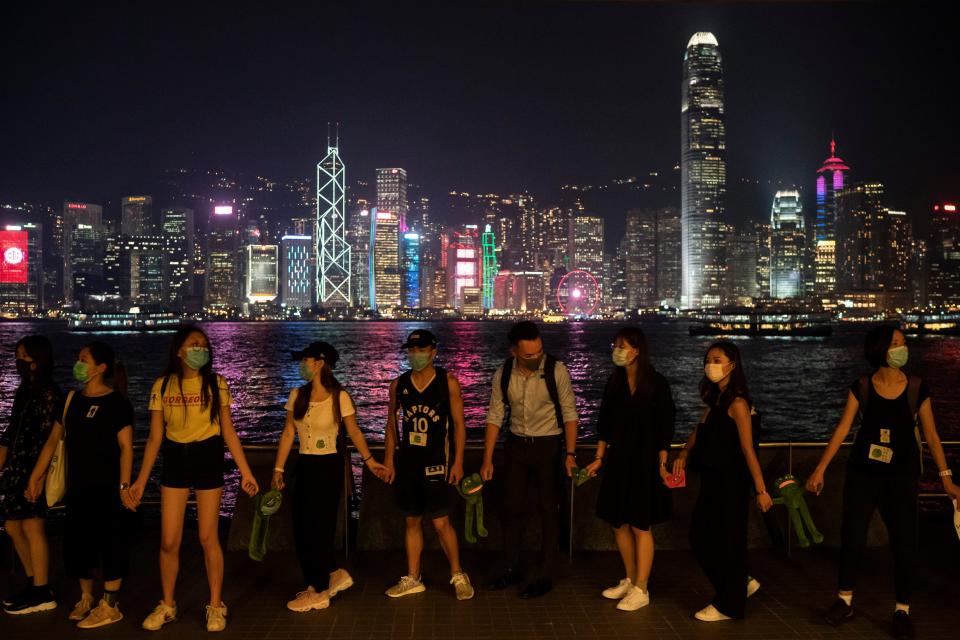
(196, 465)
(420, 494)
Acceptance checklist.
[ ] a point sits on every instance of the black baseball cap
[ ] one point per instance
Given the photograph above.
(420, 338)
(319, 351)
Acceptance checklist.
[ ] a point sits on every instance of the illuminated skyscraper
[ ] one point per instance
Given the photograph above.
(585, 240)
(222, 287)
(177, 230)
(489, 265)
(358, 235)
(21, 268)
(742, 266)
(462, 264)
(384, 259)
(640, 258)
(333, 252)
(943, 255)
(861, 228)
(787, 245)
(831, 179)
(84, 247)
(703, 173)
(136, 216)
(296, 274)
(261, 270)
(669, 253)
(392, 193)
(410, 270)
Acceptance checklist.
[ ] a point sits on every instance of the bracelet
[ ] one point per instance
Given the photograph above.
(570, 453)
(946, 472)
(760, 493)
(598, 457)
(367, 458)
(278, 469)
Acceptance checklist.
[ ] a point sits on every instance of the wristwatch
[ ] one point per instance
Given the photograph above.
(124, 486)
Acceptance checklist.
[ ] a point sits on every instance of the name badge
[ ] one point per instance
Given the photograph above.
(418, 439)
(436, 470)
(885, 436)
(881, 454)
(320, 444)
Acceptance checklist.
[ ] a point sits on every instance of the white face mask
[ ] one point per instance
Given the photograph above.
(714, 372)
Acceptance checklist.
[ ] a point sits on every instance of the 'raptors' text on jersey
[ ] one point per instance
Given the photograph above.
(425, 418)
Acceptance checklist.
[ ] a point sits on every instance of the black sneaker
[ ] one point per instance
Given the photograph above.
(838, 613)
(9, 599)
(35, 600)
(902, 626)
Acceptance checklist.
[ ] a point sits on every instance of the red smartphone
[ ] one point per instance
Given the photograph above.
(676, 482)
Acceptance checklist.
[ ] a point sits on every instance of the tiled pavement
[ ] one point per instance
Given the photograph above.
(794, 590)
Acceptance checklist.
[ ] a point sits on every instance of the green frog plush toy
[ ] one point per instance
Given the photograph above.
(470, 489)
(790, 493)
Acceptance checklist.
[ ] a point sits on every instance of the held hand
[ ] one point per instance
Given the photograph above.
(134, 494)
(277, 481)
(952, 490)
(664, 473)
(249, 485)
(34, 488)
(594, 467)
(679, 464)
(815, 482)
(376, 468)
(128, 504)
(456, 474)
(486, 471)
(764, 501)
(569, 464)
(389, 473)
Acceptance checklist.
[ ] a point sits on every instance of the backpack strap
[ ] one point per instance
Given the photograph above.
(63, 418)
(550, 377)
(913, 398)
(504, 389)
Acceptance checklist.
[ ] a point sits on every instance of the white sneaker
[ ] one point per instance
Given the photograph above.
(340, 580)
(710, 614)
(309, 600)
(635, 599)
(216, 617)
(82, 608)
(161, 615)
(408, 585)
(753, 585)
(619, 591)
(461, 583)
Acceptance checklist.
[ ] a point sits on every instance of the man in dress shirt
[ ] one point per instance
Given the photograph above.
(540, 443)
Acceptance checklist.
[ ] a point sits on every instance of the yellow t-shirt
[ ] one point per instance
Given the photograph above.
(186, 419)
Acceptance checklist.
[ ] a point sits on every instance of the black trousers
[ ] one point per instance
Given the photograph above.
(316, 498)
(534, 461)
(96, 534)
(896, 497)
(718, 536)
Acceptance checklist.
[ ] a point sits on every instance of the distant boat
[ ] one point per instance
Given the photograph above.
(763, 323)
(945, 322)
(135, 319)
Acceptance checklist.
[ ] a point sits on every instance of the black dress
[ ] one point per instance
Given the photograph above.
(32, 417)
(636, 427)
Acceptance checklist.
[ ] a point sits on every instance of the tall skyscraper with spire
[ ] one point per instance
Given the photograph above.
(332, 249)
(831, 179)
(703, 172)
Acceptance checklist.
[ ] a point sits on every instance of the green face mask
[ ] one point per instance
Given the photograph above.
(418, 361)
(620, 357)
(306, 373)
(897, 357)
(531, 364)
(81, 373)
(197, 357)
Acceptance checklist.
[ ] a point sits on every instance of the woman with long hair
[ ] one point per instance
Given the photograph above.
(635, 431)
(883, 469)
(97, 427)
(190, 419)
(31, 419)
(721, 447)
(315, 412)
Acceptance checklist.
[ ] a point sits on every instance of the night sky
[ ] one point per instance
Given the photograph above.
(97, 102)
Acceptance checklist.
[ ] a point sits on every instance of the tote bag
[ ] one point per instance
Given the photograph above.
(56, 486)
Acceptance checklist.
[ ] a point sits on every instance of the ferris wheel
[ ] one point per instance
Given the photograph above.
(578, 293)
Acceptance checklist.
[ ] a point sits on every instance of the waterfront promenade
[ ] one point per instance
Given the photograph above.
(794, 590)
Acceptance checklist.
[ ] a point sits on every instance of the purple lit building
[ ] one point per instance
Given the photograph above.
(831, 179)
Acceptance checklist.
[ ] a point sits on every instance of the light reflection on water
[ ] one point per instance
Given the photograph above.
(798, 384)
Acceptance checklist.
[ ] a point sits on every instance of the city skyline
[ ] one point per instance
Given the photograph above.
(785, 97)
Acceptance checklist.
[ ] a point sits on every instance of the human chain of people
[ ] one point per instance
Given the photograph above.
(532, 410)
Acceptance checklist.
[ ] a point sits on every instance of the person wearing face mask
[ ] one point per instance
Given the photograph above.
(883, 470)
(535, 391)
(426, 400)
(316, 411)
(635, 430)
(31, 420)
(97, 424)
(190, 420)
(721, 447)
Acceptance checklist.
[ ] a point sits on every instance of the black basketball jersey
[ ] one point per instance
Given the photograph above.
(424, 419)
